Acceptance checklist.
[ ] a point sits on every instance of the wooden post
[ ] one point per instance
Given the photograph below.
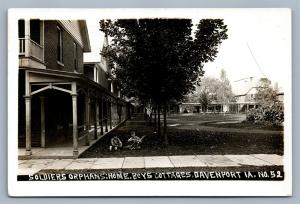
(97, 111)
(119, 112)
(27, 37)
(74, 114)
(28, 124)
(101, 121)
(87, 120)
(106, 116)
(42, 36)
(28, 113)
(43, 129)
(110, 115)
(95, 119)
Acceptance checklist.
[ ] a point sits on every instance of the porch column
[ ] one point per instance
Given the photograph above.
(110, 114)
(43, 131)
(27, 37)
(28, 124)
(96, 114)
(119, 112)
(106, 118)
(75, 128)
(28, 113)
(42, 36)
(115, 113)
(101, 119)
(87, 119)
(97, 111)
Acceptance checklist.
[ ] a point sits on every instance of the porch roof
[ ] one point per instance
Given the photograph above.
(81, 78)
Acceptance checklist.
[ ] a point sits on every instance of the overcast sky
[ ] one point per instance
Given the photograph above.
(258, 45)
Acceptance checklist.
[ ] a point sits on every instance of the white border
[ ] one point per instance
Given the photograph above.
(137, 188)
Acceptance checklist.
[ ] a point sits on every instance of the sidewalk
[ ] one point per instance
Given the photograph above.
(34, 166)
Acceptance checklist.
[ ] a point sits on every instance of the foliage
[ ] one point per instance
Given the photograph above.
(267, 115)
(270, 111)
(266, 95)
(204, 100)
(224, 92)
(212, 89)
(159, 59)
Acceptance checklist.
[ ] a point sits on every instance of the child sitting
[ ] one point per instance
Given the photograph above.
(135, 141)
(115, 143)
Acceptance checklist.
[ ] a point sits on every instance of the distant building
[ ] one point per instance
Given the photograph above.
(244, 100)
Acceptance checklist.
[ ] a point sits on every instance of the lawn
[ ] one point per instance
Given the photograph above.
(244, 125)
(190, 139)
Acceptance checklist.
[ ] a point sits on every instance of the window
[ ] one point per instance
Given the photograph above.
(35, 32)
(21, 24)
(59, 45)
(75, 56)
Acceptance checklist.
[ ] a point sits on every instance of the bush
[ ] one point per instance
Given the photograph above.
(267, 115)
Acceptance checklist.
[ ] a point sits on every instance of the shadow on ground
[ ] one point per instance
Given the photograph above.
(188, 142)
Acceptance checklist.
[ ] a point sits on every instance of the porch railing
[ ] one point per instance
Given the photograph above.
(31, 49)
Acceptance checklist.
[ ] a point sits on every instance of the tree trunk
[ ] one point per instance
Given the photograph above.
(165, 125)
(145, 114)
(150, 119)
(158, 120)
(155, 121)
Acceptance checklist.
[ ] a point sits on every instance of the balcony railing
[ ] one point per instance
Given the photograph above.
(31, 49)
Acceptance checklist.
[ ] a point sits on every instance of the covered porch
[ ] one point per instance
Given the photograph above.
(64, 114)
(60, 151)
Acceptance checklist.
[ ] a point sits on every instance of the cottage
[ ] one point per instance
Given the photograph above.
(63, 102)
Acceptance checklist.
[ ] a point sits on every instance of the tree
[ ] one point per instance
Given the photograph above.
(159, 60)
(270, 110)
(204, 100)
(212, 89)
(224, 92)
(207, 91)
(266, 95)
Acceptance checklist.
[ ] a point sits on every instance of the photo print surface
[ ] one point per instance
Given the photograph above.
(109, 98)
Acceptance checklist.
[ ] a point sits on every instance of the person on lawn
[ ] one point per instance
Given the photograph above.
(135, 141)
(116, 143)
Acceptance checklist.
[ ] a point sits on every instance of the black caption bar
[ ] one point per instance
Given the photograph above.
(196, 175)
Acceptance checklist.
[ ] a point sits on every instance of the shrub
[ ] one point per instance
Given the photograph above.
(267, 115)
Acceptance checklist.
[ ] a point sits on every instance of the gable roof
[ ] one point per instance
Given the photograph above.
(78, 30)
(244, 86)
(85, 36)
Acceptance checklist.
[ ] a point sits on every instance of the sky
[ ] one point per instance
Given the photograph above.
(258, 45)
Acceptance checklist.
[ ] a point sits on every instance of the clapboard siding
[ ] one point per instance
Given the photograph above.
(74, 29)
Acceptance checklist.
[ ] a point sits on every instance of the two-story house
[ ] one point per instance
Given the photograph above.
(59, 105)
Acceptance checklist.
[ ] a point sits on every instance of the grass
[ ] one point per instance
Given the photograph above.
(188, 141)
(245, 125)
(203, 117)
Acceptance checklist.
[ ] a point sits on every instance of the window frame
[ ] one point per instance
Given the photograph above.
(59, 56)
(75, 56)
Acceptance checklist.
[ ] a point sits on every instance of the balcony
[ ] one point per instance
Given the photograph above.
(31, 54)
(29, 48)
